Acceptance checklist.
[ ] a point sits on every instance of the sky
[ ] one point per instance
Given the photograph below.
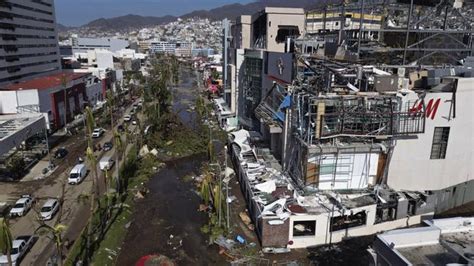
(79, 12)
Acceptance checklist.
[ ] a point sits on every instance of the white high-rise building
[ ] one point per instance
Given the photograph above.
(28, 40)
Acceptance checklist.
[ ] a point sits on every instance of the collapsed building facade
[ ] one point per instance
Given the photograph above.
(338, 148)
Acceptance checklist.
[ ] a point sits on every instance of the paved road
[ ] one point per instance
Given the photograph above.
(74, 214)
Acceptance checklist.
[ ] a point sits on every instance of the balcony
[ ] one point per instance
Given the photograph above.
(8, 37)
(10, 48)
(7, 26)
(5, 4)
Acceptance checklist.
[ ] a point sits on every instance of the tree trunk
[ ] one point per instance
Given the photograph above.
(9, 257)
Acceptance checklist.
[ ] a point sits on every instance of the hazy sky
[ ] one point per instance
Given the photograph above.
(78, 12)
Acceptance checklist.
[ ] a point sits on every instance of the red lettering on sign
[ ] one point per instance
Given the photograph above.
(431, 107)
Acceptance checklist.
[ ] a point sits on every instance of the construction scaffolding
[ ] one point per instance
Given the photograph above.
(396, 32)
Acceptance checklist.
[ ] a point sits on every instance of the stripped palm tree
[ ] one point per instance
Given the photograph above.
(90, 123)
(6, 240)
(119, 149)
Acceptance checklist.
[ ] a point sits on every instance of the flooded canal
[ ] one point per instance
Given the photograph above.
(167, 221)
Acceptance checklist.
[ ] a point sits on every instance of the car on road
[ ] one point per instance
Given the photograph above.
(134, 122)
(108, 146)
(77, 174)
(22, 206)
(106, 163)
(49, 209)
(98, 132)
(127, 118)
(60, 153)
(20, 247)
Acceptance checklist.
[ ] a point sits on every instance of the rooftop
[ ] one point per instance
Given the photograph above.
(46, 82)
(442, 242)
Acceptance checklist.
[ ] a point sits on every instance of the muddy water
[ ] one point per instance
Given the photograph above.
(167, 221)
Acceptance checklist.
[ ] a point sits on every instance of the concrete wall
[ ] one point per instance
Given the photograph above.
(8, 102)
(94, 93)
(411, 167)
(323, 236)
(282, 17)
(104, 59)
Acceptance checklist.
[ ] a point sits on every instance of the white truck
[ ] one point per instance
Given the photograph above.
(20, 246)
(22, 206)
(77, 174)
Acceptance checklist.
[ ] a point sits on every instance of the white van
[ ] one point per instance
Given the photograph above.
(106, 163)
(78, 173)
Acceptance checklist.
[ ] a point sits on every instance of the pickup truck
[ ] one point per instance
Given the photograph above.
(20, 246)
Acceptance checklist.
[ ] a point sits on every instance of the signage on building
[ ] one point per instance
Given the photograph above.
(431, 107)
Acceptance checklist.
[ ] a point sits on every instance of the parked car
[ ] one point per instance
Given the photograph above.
(60, 153)
(77, 174)
(134, 122)
(106, 163)
(49, 209)
(127, 118)
(20, 247)
(98, 132)
(108, 146)
(22, 206)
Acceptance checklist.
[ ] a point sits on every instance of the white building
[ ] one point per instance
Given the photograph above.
(441, 242)
(29, 40)
(443, 155)
(82, 45)
(162, 47)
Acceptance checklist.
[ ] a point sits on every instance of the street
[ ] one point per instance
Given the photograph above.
(74, 212)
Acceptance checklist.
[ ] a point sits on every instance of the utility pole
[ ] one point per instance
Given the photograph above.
(227, 180)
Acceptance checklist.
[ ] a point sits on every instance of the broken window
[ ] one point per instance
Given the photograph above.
(348, 221)
(286, 31)
(304, 228)
(440, 143)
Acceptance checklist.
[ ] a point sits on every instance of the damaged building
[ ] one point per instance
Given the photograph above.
(334, 147)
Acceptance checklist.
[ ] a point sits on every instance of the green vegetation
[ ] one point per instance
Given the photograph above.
(6, 239)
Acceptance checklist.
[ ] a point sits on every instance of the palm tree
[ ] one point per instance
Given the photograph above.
(119, 149)
(6, 240)
(55, 234)
(95, 184)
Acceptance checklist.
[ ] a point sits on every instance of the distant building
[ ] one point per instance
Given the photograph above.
(180, 49)
(317, 22)
(82, 45)
(29, 44)
(162, 47)
(204, 52)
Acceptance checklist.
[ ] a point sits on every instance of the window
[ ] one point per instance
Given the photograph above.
(304, 228)
(285, 32)
(440, 143)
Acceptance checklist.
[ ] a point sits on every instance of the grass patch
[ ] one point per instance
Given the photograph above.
(109, 248)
